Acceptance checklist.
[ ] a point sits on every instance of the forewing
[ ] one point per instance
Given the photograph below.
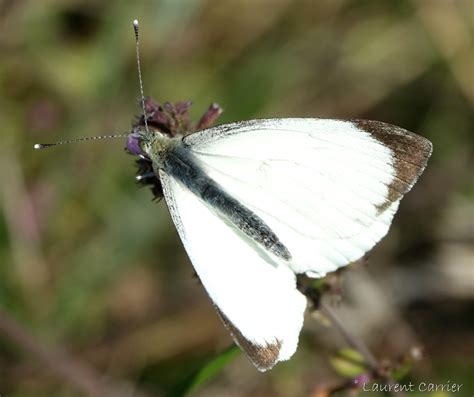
(327, 188)
(255, 295)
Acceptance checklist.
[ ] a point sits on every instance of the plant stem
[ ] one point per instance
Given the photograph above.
(82, 377)
(350, 338)
(358, 344)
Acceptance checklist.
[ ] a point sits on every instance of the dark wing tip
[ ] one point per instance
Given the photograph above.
(264, 357)
(410, 154)
(397, 138)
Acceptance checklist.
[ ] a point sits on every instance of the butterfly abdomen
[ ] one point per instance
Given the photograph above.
(184, 167)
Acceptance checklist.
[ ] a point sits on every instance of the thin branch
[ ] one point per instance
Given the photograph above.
(351, 339)
(75, 373)
(358, 344)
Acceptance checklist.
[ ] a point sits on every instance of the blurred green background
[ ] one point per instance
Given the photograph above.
(89, 265)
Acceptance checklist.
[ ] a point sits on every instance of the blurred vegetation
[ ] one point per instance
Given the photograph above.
(89, 265)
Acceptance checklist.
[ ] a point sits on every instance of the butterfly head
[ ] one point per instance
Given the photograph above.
(156, 126)
(150, 135)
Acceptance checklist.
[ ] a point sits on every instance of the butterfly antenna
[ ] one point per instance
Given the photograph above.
(140, 81)
(93, 138)
(77, 140)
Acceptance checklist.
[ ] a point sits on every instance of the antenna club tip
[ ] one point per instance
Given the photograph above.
(38, 146)
(135, 23)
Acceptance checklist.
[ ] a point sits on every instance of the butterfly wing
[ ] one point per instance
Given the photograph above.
(255, 295)
(327, 188)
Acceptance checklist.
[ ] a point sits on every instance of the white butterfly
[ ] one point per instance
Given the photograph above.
(259, 201)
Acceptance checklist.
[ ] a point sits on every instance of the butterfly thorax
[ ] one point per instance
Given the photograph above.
(157, 146)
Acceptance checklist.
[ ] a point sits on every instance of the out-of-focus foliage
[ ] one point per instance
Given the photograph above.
(348, 363)
(89, 264)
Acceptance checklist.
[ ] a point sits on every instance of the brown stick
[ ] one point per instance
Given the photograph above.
(351, 339)
(82, 377)
(357, 343)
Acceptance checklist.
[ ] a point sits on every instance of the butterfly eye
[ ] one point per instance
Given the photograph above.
(133, 144)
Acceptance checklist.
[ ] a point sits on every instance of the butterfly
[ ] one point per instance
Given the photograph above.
(257, 202)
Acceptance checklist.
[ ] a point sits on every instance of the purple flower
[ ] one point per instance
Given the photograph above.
(170, 119)
(133, 144)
